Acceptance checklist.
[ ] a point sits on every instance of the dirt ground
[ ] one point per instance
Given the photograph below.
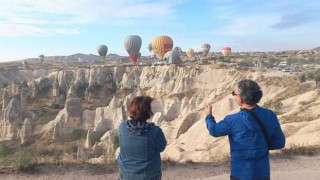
(282, 168)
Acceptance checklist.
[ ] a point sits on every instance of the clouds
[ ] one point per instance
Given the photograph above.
(297, 19)
(16, 30)
(30, 14)
(247, 26)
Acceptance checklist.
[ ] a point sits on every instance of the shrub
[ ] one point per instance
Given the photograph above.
(45, 152)
(57, 155)
(97, 152)
(275, 105)
(72, 149)
(310, 75)
(317, 79)
(302, 78)
(55, 106)
(4, 151)
(116, 142)
(25, 160)
(298, 150)
(25, 164)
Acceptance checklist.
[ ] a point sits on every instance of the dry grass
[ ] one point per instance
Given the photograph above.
(298, 149)
(291, 91)
(61, 168)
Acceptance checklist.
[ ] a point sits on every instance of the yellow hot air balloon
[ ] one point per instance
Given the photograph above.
(161, 45)
(226, 51)
(205, 49)
(190, 52)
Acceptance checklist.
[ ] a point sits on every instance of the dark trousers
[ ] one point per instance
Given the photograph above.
(234, 178)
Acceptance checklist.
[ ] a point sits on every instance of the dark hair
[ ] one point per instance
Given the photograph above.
(140, 108)
(249, 91)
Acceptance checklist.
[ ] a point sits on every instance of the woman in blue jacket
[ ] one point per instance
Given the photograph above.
(249, 146)
(140, 143)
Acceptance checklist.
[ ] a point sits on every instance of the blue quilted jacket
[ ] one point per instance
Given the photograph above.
(248, 147)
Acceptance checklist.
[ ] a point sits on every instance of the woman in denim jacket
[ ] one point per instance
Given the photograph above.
(140, 143)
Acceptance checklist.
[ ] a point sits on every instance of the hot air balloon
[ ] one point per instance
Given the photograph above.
(161, 45)
(132, 44)
(150, 47)
(205, 49)
(172, 57)
(226, 51)
(190, 52)
(41, 58)
(102, 50)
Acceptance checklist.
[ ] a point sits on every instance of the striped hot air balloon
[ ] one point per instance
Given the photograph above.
(132, 44)
(226, 51)
(205, 48)
(161, 45)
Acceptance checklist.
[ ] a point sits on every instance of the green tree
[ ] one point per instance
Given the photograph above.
(273, 60)
(317, 79)
(292, 60)
(310, 75)
(311, 60)
(302, 78)
(4, 151)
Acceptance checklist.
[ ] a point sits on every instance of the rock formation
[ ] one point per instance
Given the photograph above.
(26, 131)
(180, 93)
(5, 100)
(11, 120)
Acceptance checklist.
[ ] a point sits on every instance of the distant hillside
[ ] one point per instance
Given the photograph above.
(75, 57)
(317, 48)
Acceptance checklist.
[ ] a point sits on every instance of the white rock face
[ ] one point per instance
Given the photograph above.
(5, 100)
(11, 120)
(25, 131)
(179, 92)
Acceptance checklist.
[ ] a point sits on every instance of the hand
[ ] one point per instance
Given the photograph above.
(208, 109)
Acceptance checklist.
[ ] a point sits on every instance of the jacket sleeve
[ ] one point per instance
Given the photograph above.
(218, 129)
(161, 141)
(278, 140)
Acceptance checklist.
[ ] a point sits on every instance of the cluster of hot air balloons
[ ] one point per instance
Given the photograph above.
(160, 45)
(226, 51)
(132, 43)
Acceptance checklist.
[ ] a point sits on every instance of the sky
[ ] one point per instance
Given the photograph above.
(65, 27)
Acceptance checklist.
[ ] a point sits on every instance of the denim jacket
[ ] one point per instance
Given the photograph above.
(139, 157)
